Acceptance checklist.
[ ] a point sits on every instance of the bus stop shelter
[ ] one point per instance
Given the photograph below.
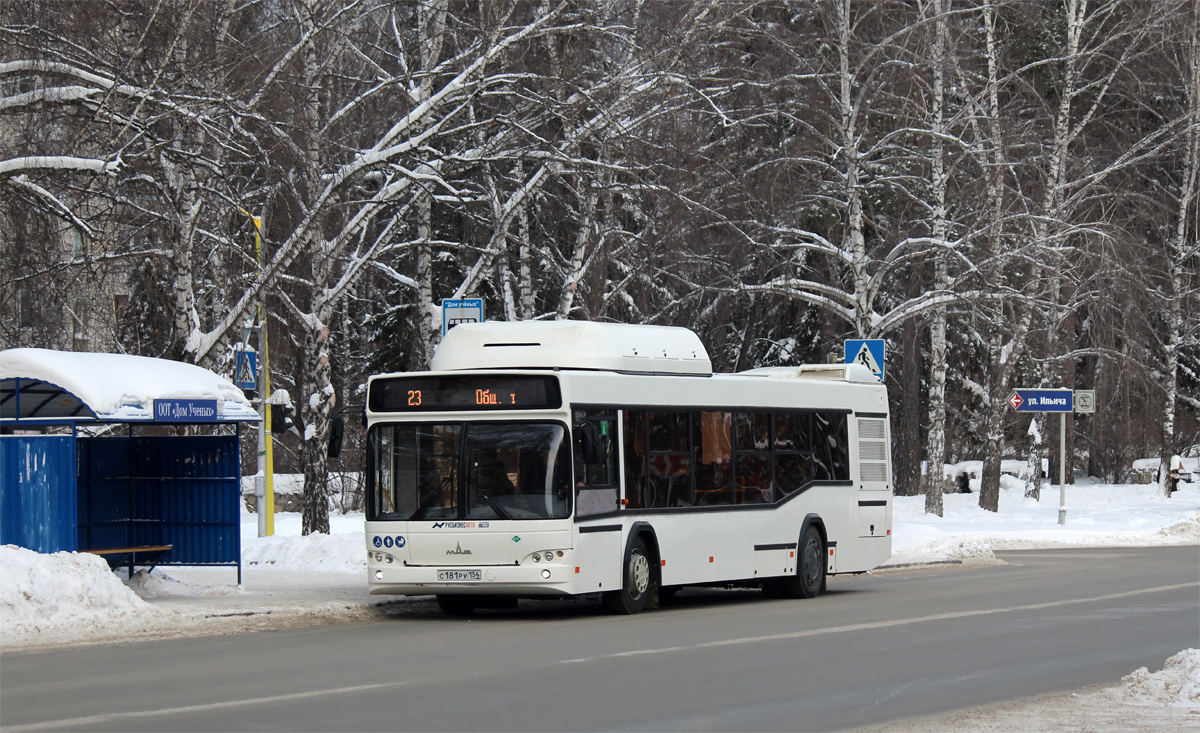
(89, 462)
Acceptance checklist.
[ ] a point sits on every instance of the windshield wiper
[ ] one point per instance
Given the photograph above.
(495, 507)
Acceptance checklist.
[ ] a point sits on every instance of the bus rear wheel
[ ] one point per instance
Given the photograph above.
(457, 605)
(809, 580)
(636, 589)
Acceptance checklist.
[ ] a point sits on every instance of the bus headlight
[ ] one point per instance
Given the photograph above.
(378, 575)
(546, 574)
(549, 556)
(537, 557)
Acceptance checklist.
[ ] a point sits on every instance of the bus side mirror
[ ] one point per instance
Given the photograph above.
(337, 430)
(590, 444)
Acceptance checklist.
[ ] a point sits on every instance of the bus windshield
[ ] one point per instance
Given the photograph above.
(470, 470)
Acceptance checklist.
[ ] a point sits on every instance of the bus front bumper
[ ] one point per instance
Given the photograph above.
(550, 579)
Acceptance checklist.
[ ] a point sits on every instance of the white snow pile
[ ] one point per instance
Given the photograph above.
(338, 553)
(1178, 683)
(1098, 515)
(66, 594)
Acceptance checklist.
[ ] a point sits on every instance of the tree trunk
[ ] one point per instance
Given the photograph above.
(1035, 454)
(1177, 253)
(934, 479)
(906, 421)
(318, 389)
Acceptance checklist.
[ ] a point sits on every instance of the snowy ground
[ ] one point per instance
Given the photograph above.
(68, 599)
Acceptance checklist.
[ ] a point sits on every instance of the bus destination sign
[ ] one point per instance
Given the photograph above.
(465, 392)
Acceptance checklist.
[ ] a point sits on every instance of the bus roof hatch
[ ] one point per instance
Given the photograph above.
(572, 345)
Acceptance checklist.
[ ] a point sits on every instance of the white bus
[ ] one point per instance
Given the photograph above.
(568, 458)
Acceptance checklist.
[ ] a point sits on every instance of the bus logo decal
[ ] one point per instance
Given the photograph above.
(458, 550)
(457, 525)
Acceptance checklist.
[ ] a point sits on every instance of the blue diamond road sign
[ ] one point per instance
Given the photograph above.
(1042, 400)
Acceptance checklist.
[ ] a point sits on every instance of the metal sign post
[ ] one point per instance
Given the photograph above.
(1050, 400)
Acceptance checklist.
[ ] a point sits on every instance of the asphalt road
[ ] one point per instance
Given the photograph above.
(874, 649)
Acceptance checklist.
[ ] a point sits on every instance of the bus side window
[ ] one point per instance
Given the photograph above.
(669, 462)
(713, 446)
(831, 447)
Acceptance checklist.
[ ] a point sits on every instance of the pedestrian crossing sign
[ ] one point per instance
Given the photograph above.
(245, 369)
(867, 352)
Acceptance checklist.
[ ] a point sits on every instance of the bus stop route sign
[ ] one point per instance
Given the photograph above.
(1042, 400)
(461, 310)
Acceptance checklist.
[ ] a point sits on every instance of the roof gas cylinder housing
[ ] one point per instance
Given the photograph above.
(614, 347)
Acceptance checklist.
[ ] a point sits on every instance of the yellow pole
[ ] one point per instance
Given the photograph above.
(268, 507)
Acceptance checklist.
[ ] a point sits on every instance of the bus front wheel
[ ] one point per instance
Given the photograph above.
(636, 588)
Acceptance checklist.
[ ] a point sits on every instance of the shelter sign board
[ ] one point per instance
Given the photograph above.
(187, 411)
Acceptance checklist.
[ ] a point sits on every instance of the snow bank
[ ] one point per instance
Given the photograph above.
(1178, 683)
(1098, 515)
(339, 553)
(65, 595)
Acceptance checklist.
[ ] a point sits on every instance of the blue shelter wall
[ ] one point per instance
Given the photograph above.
(162, 490)
(37, 492)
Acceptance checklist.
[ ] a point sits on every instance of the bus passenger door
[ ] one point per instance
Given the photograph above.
(598, 550)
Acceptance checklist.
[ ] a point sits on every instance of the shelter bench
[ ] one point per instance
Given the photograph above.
(116, 556)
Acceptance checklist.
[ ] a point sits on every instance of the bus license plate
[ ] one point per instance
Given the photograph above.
(458, 575)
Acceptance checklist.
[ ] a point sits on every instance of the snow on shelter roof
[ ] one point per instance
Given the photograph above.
(70, 386)
(572, 345)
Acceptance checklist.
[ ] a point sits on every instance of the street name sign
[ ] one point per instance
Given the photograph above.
(1042, 400)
